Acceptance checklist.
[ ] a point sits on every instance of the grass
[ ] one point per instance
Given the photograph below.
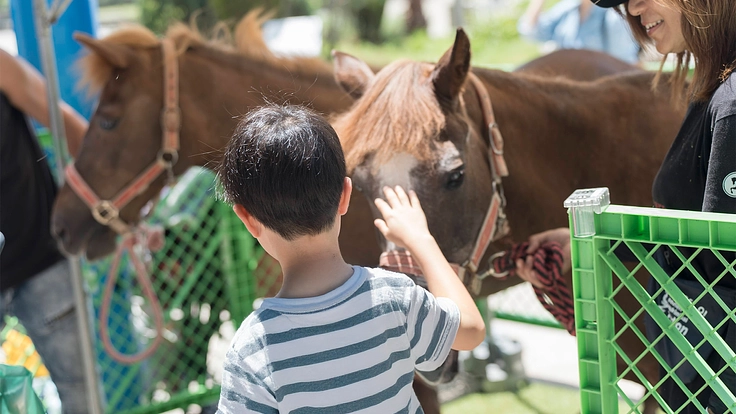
(537, 398)
(502, 54)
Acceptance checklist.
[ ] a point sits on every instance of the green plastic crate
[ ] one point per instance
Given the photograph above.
(600, 278)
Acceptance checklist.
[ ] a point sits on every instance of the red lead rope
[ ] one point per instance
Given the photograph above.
(555, 296)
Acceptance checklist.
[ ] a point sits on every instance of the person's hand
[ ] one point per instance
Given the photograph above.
(403, 218)
(524, 268)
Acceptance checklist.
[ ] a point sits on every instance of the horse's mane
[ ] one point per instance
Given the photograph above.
(382, 120)
(247, 41)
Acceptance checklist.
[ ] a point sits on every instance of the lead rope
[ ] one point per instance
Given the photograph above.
(153, 239)
(555, 296)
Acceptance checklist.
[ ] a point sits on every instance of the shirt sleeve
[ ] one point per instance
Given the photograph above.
(242, 391)
(432, 325)
(720, 184)
(546, 25)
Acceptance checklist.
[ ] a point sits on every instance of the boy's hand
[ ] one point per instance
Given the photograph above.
(403, 218)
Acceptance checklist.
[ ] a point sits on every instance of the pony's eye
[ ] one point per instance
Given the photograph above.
(455, 179)
(107, 123)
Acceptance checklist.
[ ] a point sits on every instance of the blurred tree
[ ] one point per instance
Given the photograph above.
(368, 15)
(157, 15)
(415, 17)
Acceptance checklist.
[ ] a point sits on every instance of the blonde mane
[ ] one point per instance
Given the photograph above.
(247, 42)
(381, 123)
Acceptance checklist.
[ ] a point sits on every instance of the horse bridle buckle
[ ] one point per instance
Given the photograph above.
(491, 270)
(167, 157)
(105, 212)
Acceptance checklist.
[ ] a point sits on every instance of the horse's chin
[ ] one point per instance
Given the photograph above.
(100, 244)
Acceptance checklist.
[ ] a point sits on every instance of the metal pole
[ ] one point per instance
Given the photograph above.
(57, 9)
(46, 49)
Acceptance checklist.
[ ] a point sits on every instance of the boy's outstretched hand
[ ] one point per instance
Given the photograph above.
(403, 218)
(405, 225)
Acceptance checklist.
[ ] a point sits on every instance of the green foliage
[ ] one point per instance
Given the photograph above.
(234, 10)
(104, 3)
(157, 15)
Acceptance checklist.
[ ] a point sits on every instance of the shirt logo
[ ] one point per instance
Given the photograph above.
(729, 185)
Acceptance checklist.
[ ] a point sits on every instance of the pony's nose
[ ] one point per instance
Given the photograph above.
(59, 231)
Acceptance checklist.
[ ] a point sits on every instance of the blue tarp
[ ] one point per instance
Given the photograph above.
(81, 15)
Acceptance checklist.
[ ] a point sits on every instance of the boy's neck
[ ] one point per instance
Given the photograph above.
(312, 266)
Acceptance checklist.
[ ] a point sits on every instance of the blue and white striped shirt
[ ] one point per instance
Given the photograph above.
(351, 350)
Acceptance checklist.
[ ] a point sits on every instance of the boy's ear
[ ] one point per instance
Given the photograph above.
(347, 190)
(254, 226)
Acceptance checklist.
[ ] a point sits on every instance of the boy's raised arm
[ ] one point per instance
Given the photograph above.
(405, 225)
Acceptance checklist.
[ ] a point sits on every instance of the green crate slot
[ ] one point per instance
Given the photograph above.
(696, 233)
(636, 227)
(665, 230)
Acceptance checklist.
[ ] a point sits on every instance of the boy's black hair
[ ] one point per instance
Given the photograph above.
(285, 165)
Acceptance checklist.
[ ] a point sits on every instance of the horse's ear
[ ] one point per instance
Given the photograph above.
(450, 72)
(117, 55)
(351, 73)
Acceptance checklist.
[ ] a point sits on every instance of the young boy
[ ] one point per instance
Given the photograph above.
(336, 338)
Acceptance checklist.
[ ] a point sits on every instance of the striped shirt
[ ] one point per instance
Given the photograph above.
(353, 349)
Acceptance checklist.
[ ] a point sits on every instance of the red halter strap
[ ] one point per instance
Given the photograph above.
(495, 226)
(107, 212)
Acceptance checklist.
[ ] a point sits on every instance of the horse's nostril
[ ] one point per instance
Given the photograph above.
(59, 232)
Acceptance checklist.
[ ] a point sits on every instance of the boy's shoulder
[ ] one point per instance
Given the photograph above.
(379, 277)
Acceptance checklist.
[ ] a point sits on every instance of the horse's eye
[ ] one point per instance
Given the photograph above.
(455, 179)
(107, 123)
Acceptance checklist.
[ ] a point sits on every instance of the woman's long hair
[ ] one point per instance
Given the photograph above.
(709, 29)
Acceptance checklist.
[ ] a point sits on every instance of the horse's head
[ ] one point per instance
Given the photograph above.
(123, 139)
(412, 126)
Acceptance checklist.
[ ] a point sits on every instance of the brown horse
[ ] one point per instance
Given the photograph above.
(590, 65)
(421, 126)
(216, 84)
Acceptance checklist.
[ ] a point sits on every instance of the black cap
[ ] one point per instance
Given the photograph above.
(608, 3)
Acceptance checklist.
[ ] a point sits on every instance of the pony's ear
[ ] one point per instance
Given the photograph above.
(117, 55)
(351, 73)
(450, 72)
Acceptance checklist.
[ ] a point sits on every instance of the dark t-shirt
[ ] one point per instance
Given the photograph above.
(27, 192)
(699, 171)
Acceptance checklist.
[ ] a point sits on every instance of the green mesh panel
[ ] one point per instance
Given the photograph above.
(206, 277)
(519, 303)
(607, 327)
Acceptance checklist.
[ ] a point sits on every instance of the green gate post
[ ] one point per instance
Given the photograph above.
(594, 324)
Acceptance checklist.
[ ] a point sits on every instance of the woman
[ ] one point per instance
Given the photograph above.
(699, 172)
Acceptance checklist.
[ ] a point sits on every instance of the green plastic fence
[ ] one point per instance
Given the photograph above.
(206, 277)
(605, 326)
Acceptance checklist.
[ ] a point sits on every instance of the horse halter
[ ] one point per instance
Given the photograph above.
(107, 212)
(495, 225)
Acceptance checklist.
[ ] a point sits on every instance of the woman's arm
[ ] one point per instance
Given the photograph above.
(26, 90)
